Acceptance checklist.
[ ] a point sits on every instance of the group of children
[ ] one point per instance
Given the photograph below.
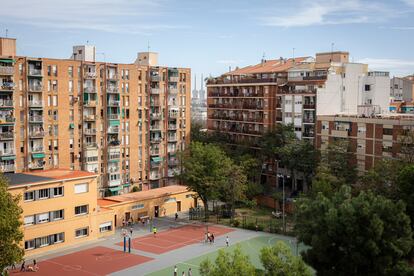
(209, 238)
(190, 272)
(23, 267)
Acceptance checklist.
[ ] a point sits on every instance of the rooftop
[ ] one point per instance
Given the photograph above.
(139, 196)
(44, 176)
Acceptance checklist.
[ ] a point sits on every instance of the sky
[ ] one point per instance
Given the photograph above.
(212, 36)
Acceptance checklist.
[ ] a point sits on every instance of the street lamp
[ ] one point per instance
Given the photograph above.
(283, 199)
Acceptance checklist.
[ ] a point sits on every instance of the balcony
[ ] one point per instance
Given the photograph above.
(172, 90)
(114, 156)
(35, 88)
(34, 72)
(172, 138)
(7, 135)
(113, 116)
(155, 164)
(7, 86)
(7, 152)
(113, 103)
(114, 182)
(36, 119)
(89, 75)
(38, 149)
(7, 120)
(89, 117)
(172, 150)
(112, 90)
(91, 145)
(155, 152)
(155, 128)
(113, 130)
(155, 78)
(173, 115)
(309, 106)
(89, 131)
(112, 76)
(155, 90)
(38, 165)
(35, 103)
(35, 134)
(6, 103)
(222, 80)
(155, 116)
(6, 70)
(172, 127)
(340, 133)
(173, 79)
(309, 120)
(154, 176)
(237, 93)
(154, 103)
(173, 162)
(90, 90)
(7, 167)
(308, 134)
(155, 140)
(173, 104)
(173, 172)
(90, 103)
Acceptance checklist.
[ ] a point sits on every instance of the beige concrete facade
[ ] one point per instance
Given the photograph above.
(52, 214)
(123, 121)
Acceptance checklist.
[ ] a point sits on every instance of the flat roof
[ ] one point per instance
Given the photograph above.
(44, 176)
(143, 195)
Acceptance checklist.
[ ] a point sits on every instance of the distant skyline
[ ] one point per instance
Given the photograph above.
(210, 36)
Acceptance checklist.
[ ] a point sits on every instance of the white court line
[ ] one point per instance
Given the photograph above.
(85, 271)
(189, 264)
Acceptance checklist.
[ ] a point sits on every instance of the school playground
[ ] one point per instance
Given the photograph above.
(182, 245)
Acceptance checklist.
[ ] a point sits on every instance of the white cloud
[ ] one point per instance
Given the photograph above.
(123, 16)
(329, 12)
(409, 2)
(397, 67)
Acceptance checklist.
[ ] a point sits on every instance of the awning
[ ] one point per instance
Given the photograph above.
(38, 155)
(71, 125)
(156, 159)
(114, 123)
(113, 160)
(6, 158)
(7, 60)
(115, 189)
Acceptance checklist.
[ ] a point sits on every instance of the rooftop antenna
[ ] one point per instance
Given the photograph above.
(332, 49)
(149, 47)
(293, 50)
(264, 57)
(7, 32)
(87, 42)
(104, 56)
(201, 82)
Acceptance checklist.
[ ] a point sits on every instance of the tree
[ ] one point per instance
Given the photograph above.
(325, 182)
(405, 189)
(278, 260)
(362, 235)
(10, 227)
(229, 264)
(205, 170)
(406, 142)
(197, 133)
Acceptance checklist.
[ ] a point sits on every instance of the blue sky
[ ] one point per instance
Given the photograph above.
(209, 36)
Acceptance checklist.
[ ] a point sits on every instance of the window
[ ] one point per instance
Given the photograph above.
(58, 238)
(105, 227)
(81, 210)
(43, 193)
(367, 87)
(387, 131)
(81, 188)
(43, 241)
(70, 71)
(42, 218)
(83, 232)
(29, 220)
(58, 191)
(28, 245)
(57, 215)
(138, 206)
(171, 199)
(29, 196)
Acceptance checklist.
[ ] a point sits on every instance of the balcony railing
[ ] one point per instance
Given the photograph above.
(114, 116)
(237, 106)
(240, 94)
(90, 145)
(90, 103)
(89, 117)
(309, 106)
(36, 165)
(112, 76)
(308, 134)
(7, 119)
(155, 116)
(35, 88)
(90, 131)
(89, 75)
(155, 91)
(155, 152)
(172, 138)
(173, 163)
(7, 152)
(36, 149)
(242, 80)
(155, 78)
(7, 168)
(35, 103)
(6, 135)
(155, 140)
(234, 118)
(113, 90)
(173, 79)
(114, 156)
(6, 103)
(309, 120)
(6, 70)
(173, 115)
(155, 103)
(155, 176)
(7, 86)
(35, 72)
(36, 133)
(113, 129)
(114, 103)
(172, 90)
(172, 127)
(36, 119)
(155, 128)
(89, 90)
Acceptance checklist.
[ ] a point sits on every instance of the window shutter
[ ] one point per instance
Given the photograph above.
(51, 192)
(36, 194)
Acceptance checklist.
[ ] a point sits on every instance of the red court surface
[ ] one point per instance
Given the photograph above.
(175, 238)
(94, 261)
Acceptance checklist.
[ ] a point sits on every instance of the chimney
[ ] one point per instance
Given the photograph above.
(7, 47)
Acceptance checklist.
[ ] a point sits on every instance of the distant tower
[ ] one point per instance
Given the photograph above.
(195, 92)
(202, 93)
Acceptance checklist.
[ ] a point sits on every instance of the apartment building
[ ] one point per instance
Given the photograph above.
(371, 138)
(59, 209)
(402, 107)
(125, 122)
(402, 89)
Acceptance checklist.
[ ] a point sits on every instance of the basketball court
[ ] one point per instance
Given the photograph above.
(175, 238)
(94, 261)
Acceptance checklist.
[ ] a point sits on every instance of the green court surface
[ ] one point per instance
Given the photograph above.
(250, 247)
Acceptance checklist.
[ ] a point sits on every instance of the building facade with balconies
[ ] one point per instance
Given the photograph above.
(105, 118)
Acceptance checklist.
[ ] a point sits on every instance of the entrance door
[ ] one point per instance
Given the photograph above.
(195, 202)
(127, 216)
(156, 211)
(178, 206)
(115, 221)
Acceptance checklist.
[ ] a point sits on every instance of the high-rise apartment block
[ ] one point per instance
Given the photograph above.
(123, 121)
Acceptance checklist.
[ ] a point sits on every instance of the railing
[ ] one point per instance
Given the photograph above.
(7, 152)
(172, 163)
(112, 76)
(6, 70)
(36, 134)
(89, 117)
(155, 116)
(155, 176)
(155, 140)
(172, 90)
(90, 103)
(308, 120)
(172, 150)
(113, 129)
(7, 168)
(308, 134)
(309, 106)
(240, 94)
(35, 88)
(89, 75)
(172, 104)
(155, 91)
(35, 119)
(154, 103)
(7, 119)
(36, 165)
(110, 89)
(173, 79)
(7, 86)
(114, 103)
(90, 131)
(172, 138)
(155, 127)
(89, 90)
(155, 78)
(36, 149)
(6, 135)
(113, 116)
(35, 72)
(6, 103)
(155, 164)
(112, 156)
(241, 80)
(237, 106)
(173, 114)
(172, 127)
(238, 119)
(35, 103)
(91, 145)
(155, 152)
(237, 130)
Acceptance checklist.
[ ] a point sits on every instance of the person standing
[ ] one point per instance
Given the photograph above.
(212, 238)
(190, 273)
(183, 274)
(175, 271)
(23, 266)
(227, 241)
(176, 216)
(154, 230)
(13, 266)
(130, 231)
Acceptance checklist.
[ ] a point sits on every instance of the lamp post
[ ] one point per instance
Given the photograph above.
(283, 199)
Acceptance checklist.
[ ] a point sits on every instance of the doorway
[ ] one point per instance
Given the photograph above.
(178, 206)
(115, 220)
(156, 211)
(127, 216)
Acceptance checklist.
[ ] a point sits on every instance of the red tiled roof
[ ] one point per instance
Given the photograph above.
(60, 174)
(269, 66)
